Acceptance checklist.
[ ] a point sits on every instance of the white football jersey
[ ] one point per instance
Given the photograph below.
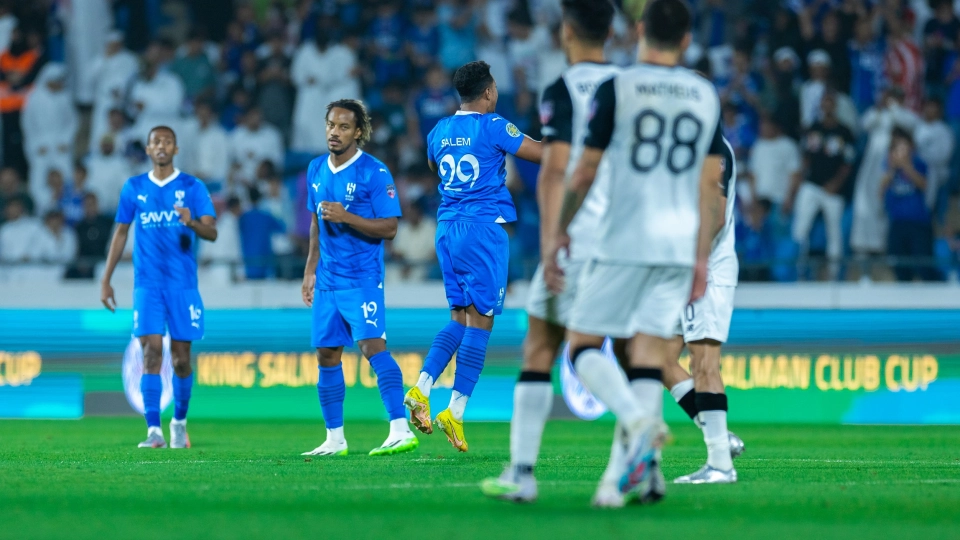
(656, 124)
(564, 113)
(723, 267)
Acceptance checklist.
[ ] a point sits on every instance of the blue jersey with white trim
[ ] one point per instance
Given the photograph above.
(469, 150)
(364, 186)
(164, 250)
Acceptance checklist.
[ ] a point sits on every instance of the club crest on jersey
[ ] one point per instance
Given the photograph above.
(513, 130)
(546, 112)
(351, 188)
(179, 194)
(391, 191)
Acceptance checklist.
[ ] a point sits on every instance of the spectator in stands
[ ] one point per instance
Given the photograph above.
(278, 202)
(385, 36)
(323, 71)
(275, 95)
(7, 23)
(458, 33)
(107, 171)
(18, 234)
(56, 243)
(774, 160)
(19, 66)
(232, 114)
(72, 205)
(247, 78)
(742, 87)
(251, 144)
(49, 124)
(194, 69)
(413, 248)
(904, 63)
(221, 259)
(212, 154)
(935, 145)
(11, 187)
(156, 96)
(422, 40)
(111, 73)
(59, 193)
(737, 130)
(904, 188)
(829, 40)
(829, 154)
(939, 41)
(257, 228)
(756, 245)
(866, 62)
(437, 100)
(93, 235)
(811, 93)
(785, 110)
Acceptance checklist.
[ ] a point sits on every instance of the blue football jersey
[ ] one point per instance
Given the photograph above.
(164, 250)
(470, 151)
(364, 186)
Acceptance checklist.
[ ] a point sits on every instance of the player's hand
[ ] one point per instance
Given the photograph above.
(552, 273)
(184, 214)
(306, 290)
(106, 297)
(699, 281)
(334, 212)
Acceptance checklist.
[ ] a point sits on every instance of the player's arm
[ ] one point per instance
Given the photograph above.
(385, 228)
(313, 258)
(580, 184)
(117, 244)
(206, 226)
(711, 210)
(530, 150)
(556, 114)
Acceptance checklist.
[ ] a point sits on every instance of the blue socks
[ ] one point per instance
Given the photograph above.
(444, 345)
(390, 381)
(181, 395)
(332, 391)
(151, 387)
(473, 349)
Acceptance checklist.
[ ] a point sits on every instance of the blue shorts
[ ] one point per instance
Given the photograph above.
(342, 317)
(179, 310)
(474, 259)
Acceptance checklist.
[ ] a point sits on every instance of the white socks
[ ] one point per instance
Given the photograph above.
(399, 428)
(458, 402)
(154, 430)
(425, 384)
(649, 394)
(605, 380)
(680, 389)
(717, 439)
(532, 402)
(336, 435)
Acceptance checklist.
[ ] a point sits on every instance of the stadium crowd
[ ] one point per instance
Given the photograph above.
(842, 113)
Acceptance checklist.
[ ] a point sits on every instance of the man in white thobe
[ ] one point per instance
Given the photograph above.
(49, 123)
(88, 24)
(107, 171)
(253, 143)
(211, 153)
(112, 73)
(322, 72)
(935, 144)
(155, 97)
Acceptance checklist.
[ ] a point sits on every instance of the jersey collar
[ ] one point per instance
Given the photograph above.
(335, 170)
(164, 181)
(462, 113)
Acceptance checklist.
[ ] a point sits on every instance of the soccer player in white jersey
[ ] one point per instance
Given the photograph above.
(704, 327)
(658, 127)
(564, 111)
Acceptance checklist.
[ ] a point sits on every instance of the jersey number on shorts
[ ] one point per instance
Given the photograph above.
(451, 169)
(649, 129)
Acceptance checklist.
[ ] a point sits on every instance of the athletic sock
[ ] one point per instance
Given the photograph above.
(444, 345)
(605, 380)
(182, 387)
(400, 428)
(713, 414)
(151, 387)
(647, 387)
(332, 391)
(473, 349)
(390, 382)
(685, 397)
(532, 401)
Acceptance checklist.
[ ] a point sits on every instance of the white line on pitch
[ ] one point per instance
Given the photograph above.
(858, 461)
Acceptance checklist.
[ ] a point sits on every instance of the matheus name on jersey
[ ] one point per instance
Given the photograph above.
(564, 112)
(655, 137)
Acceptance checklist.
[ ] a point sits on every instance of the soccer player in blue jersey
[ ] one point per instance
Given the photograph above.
(169, 211)
(468, 152)
(354, 203)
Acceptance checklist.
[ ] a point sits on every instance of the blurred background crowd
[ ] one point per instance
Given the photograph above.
(843, 115)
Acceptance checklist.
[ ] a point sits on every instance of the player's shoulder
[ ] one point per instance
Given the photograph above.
(189, 180)
(137, 180)
(494, 121)
(315, 163)
(372, 164)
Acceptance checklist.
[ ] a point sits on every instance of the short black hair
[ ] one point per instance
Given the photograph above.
(666, 22)
(900, 133)
(590, 19)
(162, 128)
(360, 114)
(472, 80)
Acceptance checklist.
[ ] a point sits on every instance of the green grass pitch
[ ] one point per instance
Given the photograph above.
(86, 479)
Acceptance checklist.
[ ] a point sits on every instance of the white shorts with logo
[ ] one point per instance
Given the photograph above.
(708, 317)
(621, 300)
(554, 308)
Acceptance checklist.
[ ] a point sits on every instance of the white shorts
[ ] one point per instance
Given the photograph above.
(554, 308)
(623, 300)
(708, 317)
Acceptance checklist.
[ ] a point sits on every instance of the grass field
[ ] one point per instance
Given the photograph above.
(86, 479)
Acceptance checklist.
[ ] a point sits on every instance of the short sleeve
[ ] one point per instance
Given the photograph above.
(718, 147)
(602, 116)
(729, 167)
(556, 113)
(383, 194)
(127, 205)
(202, 203)
(505, 136)
(311, 190)
(431, 158)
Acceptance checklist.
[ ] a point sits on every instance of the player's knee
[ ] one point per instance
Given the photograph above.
(328, 357)
(371, 347)
(152, 358)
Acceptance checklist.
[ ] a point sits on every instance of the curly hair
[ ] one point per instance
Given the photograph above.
(472, 80)
(360, 115)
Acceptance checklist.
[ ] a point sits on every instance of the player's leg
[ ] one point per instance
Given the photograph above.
(149, 324)
(679, 381)
(185, 319)
(330, 334)
(390, 381)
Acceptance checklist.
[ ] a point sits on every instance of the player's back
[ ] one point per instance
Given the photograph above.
(469, 150)
(164, 250)
(665, 123)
